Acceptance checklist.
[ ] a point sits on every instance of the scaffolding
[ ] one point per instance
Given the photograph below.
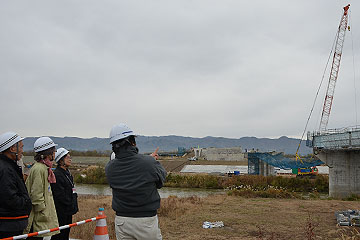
(335, 139)
(256, 160)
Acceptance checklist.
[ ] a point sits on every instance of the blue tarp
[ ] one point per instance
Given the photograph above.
(280, 161)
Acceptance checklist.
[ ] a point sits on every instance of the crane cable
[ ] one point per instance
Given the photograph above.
(353, 58)
(317, 93)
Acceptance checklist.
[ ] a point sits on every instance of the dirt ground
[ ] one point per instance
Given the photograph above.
(175, 165)
(254, 218)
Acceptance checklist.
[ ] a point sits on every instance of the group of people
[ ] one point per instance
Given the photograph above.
(48, 199)
(45, 200)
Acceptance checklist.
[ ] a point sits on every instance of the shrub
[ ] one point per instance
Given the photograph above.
(255, 182)
(193, 181)
(352, 197)
(92, 175)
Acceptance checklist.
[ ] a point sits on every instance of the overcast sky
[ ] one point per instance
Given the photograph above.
(197, 68)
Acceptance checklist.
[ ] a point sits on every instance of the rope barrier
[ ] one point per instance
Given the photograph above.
(54, 229)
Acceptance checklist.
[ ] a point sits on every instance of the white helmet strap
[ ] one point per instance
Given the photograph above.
(17, 151)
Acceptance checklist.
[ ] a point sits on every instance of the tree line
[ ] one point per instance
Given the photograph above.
(76, 153)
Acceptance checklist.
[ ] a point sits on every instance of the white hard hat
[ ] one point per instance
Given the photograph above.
(60, 153)
(8, 139)
(43, 143)
(120, 131)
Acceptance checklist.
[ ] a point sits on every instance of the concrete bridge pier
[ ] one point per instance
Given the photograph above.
(344, 171)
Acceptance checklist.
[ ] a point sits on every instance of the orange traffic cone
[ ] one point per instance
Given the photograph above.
(101, 232)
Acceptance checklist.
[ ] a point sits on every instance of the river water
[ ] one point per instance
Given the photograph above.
(165, 192)
(99, 189)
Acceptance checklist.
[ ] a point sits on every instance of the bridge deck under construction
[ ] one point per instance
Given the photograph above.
(336, 139)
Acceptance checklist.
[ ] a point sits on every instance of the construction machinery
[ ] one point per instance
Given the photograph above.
(329, 97)
(306, 172)
(340, 37)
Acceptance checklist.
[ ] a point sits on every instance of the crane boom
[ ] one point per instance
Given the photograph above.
(340, 37)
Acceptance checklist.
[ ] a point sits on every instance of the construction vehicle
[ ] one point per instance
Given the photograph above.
(306, 172)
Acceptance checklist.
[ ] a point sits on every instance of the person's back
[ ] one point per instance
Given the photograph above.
(134, 179)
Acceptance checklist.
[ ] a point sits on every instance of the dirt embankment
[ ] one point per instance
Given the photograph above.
(176, 164)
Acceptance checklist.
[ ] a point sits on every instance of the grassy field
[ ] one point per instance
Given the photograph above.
(244, 218)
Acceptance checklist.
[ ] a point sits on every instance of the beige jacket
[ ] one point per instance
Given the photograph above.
(43, 214)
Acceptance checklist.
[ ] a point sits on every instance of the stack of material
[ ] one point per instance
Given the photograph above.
(348, 218)
(213, 224)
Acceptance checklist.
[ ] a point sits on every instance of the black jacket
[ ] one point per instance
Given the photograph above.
(14, 199)
(64, 198)
(134, 179)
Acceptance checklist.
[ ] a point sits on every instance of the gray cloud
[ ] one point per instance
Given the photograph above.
(191, 68)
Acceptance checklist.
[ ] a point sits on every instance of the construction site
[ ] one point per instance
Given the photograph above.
(337, 149)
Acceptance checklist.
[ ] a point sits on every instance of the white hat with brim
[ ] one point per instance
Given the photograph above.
(43, 143)
(60, 153)
(8, 139)
(120, 131)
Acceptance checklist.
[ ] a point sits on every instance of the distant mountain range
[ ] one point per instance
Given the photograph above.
(171, 143)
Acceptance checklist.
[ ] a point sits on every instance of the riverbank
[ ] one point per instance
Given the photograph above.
(239, 184)
(165, 192)
(244, 218)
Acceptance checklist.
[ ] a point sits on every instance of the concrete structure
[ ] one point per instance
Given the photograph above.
(340, 150)
(259, 167)
(197, 152)
(266, 169)
(223, 154)
(344, 171)
(323, 170)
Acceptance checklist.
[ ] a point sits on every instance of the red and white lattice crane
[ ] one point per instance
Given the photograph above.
(340, 37)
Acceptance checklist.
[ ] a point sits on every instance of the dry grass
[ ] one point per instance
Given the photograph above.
(349, 233)
(244, 218)
(173, 207)
(88, 208)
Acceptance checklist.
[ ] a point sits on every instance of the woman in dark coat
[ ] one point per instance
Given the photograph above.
(65, 196)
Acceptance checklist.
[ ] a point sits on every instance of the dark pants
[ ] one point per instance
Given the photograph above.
(10, 234)
(64, 234)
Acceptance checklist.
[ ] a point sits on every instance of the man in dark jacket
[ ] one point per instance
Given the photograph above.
(134, 179)
(15, 203)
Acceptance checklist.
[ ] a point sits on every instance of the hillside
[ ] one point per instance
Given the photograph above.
(171, 143)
